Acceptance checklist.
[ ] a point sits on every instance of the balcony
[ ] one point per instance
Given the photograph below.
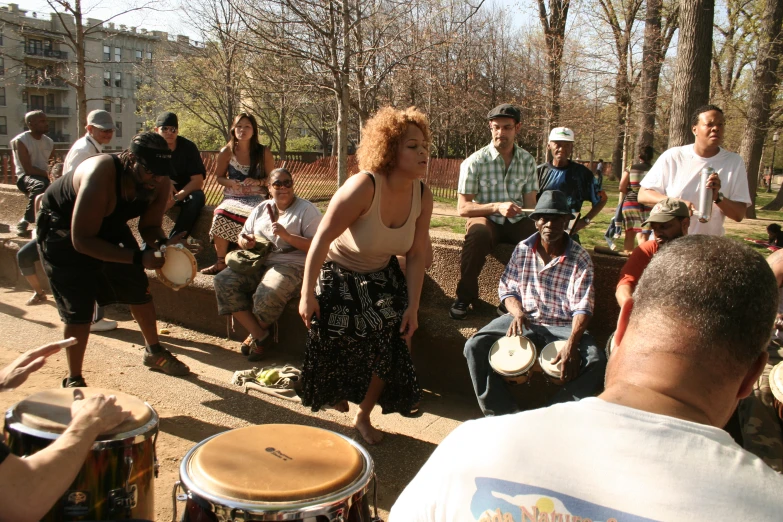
(61, 112)
(45, 83)
(45, 53)
(60, 138)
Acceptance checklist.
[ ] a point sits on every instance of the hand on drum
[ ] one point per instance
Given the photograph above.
(98, 412)
(151, 261)
(308, 305)
(13, 375)
(568, 360)
(519, 323)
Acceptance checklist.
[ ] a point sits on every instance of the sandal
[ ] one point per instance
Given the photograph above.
(36, 299)
(216, 268)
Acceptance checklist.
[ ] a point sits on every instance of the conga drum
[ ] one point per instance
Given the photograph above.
(180, 267)
(276, 472)
(512, 358)
(116, 481)
(546, 361)
(776, 384)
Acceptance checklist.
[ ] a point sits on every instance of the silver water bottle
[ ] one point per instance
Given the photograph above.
(705, 195)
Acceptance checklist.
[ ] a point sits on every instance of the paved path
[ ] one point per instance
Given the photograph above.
(193, 408)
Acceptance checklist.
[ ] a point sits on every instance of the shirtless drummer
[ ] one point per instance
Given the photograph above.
(90, 254)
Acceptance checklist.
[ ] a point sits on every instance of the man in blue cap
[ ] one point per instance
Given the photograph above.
(547, 289)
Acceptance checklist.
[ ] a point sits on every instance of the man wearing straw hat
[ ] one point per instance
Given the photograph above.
(547, 289)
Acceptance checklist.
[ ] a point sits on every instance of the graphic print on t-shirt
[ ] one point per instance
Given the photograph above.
(504, 501)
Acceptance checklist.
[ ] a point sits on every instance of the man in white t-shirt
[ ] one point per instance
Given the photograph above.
(32, 150)
(100, 130)
(650, 447)
(677, 174)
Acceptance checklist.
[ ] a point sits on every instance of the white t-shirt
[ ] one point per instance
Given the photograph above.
(677, 174)
(590, 459)
(301, 219)
(38, 150)
(85, 147)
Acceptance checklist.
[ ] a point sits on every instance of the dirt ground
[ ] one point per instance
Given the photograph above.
(205, 403)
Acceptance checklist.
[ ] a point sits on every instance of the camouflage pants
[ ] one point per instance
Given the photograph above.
(265, 293)
(761, 427)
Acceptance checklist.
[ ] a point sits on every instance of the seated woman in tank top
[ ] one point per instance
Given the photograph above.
(364, 312)
(242, 168)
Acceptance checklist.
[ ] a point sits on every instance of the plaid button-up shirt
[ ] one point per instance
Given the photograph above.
(554, 294)
(485, 176)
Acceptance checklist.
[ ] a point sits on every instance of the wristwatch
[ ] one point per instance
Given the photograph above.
(174, 196)
(720, 198)
(587, 220)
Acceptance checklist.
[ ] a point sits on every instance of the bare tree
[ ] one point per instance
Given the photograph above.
(692, 76)
(554, 24)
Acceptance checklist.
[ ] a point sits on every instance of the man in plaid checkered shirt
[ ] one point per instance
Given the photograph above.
(547, 289)
(495, 184)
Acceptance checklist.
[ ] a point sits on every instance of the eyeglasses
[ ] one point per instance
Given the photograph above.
(287, 183)
(169, 129)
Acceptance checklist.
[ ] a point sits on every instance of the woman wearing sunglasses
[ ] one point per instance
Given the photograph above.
(366, 309)
(257, 300)
(242, 168)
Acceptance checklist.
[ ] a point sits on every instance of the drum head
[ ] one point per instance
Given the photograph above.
(511, 356)
(548, 355)
(179, 269)
(275, 463)
(50, 410)
(776, 381)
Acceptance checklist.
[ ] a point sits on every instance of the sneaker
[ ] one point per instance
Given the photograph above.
(166, 362)
(21, 228)
(73, 383)
(247, 345)
(459, 310)
(36, 299)
(104, 325)
(256, 352)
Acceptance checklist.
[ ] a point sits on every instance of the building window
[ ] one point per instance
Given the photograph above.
(118, 79)
(106, 53)
(1, 38)
(138, 55)
(149, 55)
(139, 127)
(118, 105)
(2, 66)
(118, 129)
(2, 96)
(107, 104)
(117, 54)
(107, 78)
(3, 125)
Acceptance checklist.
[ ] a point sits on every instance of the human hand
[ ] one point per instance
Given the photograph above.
(188, 242)
(280, 231)
(519, 323)
(171, 202)
(98, 413)
(568, 360)
(247, 241)
(13, 375)
(151, 261)
(713, 182)
(691, 207)
(508, 209)
(410, 323)
(308, 305)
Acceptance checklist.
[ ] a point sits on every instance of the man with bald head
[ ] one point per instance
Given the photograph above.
(32, 151)
(691, 344)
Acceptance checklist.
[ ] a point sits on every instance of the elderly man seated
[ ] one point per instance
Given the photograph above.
(547, 289)
(669, 219)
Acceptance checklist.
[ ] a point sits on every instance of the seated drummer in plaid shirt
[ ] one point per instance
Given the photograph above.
(547, 289)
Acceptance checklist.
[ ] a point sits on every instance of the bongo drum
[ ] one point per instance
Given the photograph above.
(276, 472)
(116, 481)
(776, 384)
(512, 358)
(180, 267)
(546, 358)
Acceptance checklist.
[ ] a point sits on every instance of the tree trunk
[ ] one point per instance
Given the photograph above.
(622, 100)
(651, 71)
(692, 76)
(763, 92)
(282, 147)
(81, 72)
(343, 99)
(554, 35)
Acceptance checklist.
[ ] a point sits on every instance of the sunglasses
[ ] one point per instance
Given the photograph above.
(287, 183)
(168, 129)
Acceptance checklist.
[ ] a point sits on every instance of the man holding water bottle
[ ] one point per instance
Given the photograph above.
(678, 174)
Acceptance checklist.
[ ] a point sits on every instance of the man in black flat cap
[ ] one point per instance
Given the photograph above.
(495, 184)
(90, 254)
(189, 174)
(547, 289)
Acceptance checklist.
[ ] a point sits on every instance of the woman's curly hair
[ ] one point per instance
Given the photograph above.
(382, 134)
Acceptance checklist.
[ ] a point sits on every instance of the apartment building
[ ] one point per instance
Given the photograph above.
(36, 65)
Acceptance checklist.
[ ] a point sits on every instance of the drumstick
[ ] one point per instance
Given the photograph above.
(271, 214)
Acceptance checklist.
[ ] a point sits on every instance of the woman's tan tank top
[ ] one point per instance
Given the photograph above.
(367, 244)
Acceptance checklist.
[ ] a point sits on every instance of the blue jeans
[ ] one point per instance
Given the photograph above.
(491, 389)
(189, 211)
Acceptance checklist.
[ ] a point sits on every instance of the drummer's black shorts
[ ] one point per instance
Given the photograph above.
(79, 281)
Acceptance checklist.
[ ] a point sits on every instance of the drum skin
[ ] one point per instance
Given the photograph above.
(179, 269)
